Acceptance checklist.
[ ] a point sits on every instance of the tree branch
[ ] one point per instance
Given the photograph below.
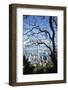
(45, 31)
(30, 30)
(45, 44)
(55, 22)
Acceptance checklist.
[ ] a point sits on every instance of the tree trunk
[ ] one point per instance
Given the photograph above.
(53, 53)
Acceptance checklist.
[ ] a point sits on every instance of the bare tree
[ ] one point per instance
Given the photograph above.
(34, 29)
